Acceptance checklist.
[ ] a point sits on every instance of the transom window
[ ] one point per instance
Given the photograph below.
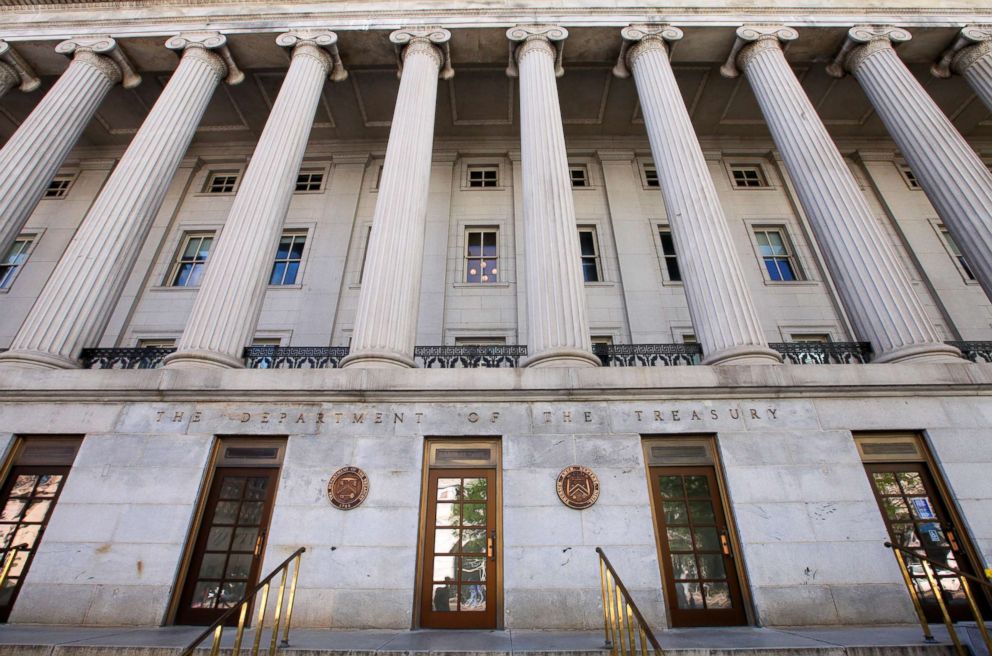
(651, 176)
(952, 246)
(483, 176)
(672, 271)
(579, 175)
(748, 176)
(191, 259)
(909, 176)
(310, 181)
(780, 263)
(482, 255)
(156, 343)
(602, 340)
(689, 338)
(589, 245)
(222, 182)
(59, 186)
(820, 338)
(14, 259)
(480, 341)
(289, 255)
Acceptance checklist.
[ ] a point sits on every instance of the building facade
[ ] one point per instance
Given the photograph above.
(716, 276)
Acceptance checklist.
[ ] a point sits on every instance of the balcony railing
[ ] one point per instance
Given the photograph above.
(648, 355)
(124, 358)
(294, 357)
(823, 352)
(468, 357)
(975, 351)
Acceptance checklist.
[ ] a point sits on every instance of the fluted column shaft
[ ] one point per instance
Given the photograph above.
(557, 318)
(227, 306)
(723, 314)
(873, 285)
(33, 155)
(73, 308)
(954, 178)
(975, 65)
(386, 322)
(8, 78)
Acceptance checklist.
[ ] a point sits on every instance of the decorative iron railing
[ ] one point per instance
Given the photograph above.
(467, 357)
(258, 597)
(124, 358)
(648, 355)
(823, 352)
(975, 351)
(294, 357)
(627, 632)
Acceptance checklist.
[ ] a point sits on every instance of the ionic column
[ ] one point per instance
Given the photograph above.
(557, 319)
(15, 71)
(954, 178)
(33, 155)
(227, 306)
(80, 295)
(970, 57)
(873, 285)
(385, 329)
(723, 315)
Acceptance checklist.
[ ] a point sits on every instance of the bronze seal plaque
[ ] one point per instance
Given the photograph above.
(348, 488)
(578, 487)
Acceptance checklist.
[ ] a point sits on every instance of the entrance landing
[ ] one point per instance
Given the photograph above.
(36, 640)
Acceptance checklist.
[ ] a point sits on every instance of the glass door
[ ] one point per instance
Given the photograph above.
(229, 545)
(701, 583)
(458, 588)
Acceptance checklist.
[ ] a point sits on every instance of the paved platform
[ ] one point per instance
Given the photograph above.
(32, 640)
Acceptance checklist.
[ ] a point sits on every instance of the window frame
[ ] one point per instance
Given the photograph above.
(32, 240)
(175, 262)
(483, 229)
(737, 164)
(792, 254)
(643, 167)
(303, 232)
(585, 177)
(481, 167)
(908, 176)
(321, 170)
(235, 172)
(663, 257)
(597, 256)
(68, 178)
(958, 259)
(156, 342)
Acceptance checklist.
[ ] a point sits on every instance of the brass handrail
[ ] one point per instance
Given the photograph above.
(8, 562)
(620, 615)
(925, 562)
(217, 628)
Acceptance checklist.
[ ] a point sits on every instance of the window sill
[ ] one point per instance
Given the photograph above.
(791, 283)
(764, 188)
(286, 287)
(483, 188)
(600, 283)
(172, 289)
(481, 285)
(226, 194)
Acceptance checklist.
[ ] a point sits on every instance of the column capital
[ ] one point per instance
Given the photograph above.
(104, 53)
(212, 46)
(971, 44)
(752, 39)
(320, 44)
(862, 42)
(26, 77)
(523, 38)
(429, 40)
(640, 38)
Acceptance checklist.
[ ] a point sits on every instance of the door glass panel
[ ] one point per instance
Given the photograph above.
(671, 487)
(472, 598)
(475, 488)
(226, 512)
(212, 566)
(219, 538)
(702, 512)
(689, 595)
(711, 566)
(706, 539)
(717, 595)
(679, 540)
(232, 487)
(48, 485)
(473, 540)
(675, 512)
(23, 486)
(447, 514)
(445, 540)
(473, 569)
(684, 566)
(444, 599)
(444, 568)
(473, 514)
(697, 486)
(12, 510)
(448, 489)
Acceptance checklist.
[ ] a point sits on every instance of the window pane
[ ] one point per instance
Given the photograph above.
(278, 271)
(291, 270)
(205, 244)
(674, 274)
(474, 243)
(785, 267)
(773, 273)
(586, 242)
(282, 252)
(191, 247)
(196, 274)
(296, 252)
(589, 270)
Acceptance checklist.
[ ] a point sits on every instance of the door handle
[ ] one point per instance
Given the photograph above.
(491, 545)
(258, 543)
(952, 540)
(725, 545)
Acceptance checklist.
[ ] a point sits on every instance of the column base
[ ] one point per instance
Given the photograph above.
(36, 360)
(744, 355)
(562, 358)
(377, 360)
(921, 353)
(201, 360)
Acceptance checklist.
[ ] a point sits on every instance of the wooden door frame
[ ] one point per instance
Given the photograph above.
(497, 443)
(712, 443)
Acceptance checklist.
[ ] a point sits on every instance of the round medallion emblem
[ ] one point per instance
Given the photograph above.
(348, 488)
(578, 487)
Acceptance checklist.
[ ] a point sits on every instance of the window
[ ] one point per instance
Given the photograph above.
(365, 253)
(289, 255)
(483, 176)
(480, 341)
(191, 259)
(909, 177)
(310, 180)
(221, 182)
(602, 340)
(590, 255)
(266, 341)
(689, 338)
(378, 178)
(156, 343)
(59, 186)
(746, 177)
(15, 258)
(956, 254)
(579, 175)
(668, 254)
(482, 255)
(651, 176)
(821, 338)
(777, 255)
